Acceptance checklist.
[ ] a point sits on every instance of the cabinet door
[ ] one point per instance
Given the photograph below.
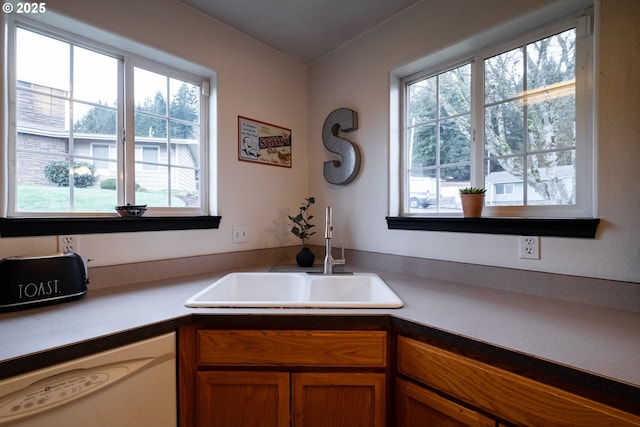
(338, 400)
(418, 407)
(510, 397)
(241, 399)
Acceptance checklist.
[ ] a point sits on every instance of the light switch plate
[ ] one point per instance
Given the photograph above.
(240, 234)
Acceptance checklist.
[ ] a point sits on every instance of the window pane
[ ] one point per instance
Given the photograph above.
(57, 169)
(422, 190)
(440, 144)
(94, 137)
(150, 91)
(502, 173)
(422, 105)
(70, 185)
(546, 102)
(185, 151)
(35, 192)
(42, 61)
(95, 77)
(452, 179)
(173, 178)
(185, 185)
(152, 186)
(158, 191)
(423, 146)
(552, 179)
(504, 129)
(551, 61)
(150, 128)
(42, 109)
(455, 91)
(455, 135)
(552, 124)
(503, 76)
(185, 103)
(88, 119)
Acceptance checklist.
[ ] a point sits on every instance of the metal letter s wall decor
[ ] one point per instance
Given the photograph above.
(341, 171)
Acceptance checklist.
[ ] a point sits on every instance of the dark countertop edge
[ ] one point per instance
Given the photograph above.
(65, 353)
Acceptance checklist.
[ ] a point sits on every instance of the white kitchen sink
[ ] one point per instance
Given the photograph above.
(271, 289)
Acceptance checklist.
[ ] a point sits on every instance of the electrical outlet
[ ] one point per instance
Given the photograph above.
(240, 234)
(529, 247)
(68, 243)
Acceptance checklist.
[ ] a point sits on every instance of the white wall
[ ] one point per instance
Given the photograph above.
(258, 82)
(253, 81)
(357, 76)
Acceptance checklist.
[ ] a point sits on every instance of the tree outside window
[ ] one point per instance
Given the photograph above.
(530, 121)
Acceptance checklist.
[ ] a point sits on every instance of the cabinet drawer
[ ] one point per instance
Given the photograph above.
(516, 399)
(293, 348)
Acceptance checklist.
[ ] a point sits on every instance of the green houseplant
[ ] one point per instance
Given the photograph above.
(472, 200)
(301, 227)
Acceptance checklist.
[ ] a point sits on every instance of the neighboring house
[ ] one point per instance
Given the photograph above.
(43, 135)
(504, 188)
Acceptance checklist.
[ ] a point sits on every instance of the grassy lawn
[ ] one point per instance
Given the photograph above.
(56, 199)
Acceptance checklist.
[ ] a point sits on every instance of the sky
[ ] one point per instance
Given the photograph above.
(45, 61)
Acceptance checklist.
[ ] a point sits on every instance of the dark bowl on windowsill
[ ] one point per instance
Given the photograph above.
(131, 210)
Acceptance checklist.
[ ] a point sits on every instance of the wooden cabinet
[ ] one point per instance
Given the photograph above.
(506, 396)
(417, 407)
(338, 400)
(339, 378)
(283, 378)
(279, 399)
(232, 398)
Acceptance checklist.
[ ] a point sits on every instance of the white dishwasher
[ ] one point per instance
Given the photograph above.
(129, 386)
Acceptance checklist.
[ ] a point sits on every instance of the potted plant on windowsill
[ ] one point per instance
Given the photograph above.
(472, 199)
(301, 228)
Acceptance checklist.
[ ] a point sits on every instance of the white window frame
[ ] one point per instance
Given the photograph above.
(449, 58)
(205, 79)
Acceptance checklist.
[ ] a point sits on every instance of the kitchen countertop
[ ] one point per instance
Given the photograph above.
(598, 341)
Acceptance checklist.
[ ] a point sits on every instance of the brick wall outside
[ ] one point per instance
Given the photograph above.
(30, 165)
(41, 114)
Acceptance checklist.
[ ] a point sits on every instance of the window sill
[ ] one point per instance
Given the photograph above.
(555, 227)
(22, 227)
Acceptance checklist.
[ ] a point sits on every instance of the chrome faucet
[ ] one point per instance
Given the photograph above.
(329, 261)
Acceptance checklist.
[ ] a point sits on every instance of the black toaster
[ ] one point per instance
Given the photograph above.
(38, 280)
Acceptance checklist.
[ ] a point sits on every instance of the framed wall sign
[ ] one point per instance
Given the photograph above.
(261, 142)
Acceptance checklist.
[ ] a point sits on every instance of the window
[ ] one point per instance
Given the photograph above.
(100, 157)
(438, 132)
(150, 158)
(513, 119)
(95, 127)
(503, 188)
